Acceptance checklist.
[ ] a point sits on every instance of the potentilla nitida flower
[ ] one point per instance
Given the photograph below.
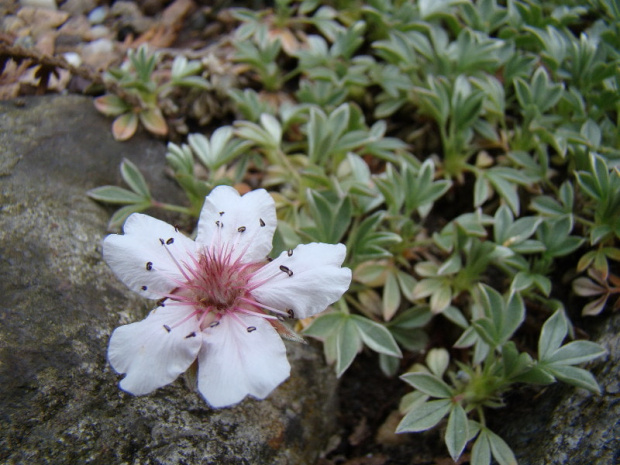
(220, 300)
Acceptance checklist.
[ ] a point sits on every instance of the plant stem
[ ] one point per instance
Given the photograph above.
(173, 208)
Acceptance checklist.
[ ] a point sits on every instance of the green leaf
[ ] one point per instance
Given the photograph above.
(481, 451)
(456, 431)
(428, 384)
(111, 105)
(273, 127)
(389, 365)
(553, 333)
(115, 195)
(575, 376)
(134, 179)
(415, 317)
(391, 296)
(348, 344)
(437, 361)
(467, 339)
(513, 316)
(576, 352)
(154, 122)
(424, 416)
(324, 325)
(120, 215)
(125, 126)
(501, 451)
(376, 336)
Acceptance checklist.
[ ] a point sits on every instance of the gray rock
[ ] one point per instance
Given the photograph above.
(59, 400)
(566, 425)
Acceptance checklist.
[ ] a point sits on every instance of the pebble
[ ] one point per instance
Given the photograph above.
(129, 15)
(99, 32)
(98, 46)
(46, 4)
(42, 18)
(78, 7)
(98, 15)
(98, 53)
(73, 58)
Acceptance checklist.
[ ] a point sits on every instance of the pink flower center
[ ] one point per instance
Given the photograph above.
(217, 284)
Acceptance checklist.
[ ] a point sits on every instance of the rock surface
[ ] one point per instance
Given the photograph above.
(59, 400)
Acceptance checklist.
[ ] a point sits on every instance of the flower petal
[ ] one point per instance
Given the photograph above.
(152, 355)
(139, 259)
(243, 225)
(306, 280)
(235, 362)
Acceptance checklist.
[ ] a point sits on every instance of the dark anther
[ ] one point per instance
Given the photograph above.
(262, 223)
(192, 334)
(149, 266)
(162, 241)
(160, 302)
(219, 224)
(286, 270)
(251, 328)
(144, 288)
(170, 241)
(269, 259)
(214, 324)
(290, 312)
(290, 252)
(176, 228)
(241, 229)
(167, 328)
(221, 213)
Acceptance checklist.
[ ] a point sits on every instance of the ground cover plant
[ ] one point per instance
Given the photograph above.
(464, 152)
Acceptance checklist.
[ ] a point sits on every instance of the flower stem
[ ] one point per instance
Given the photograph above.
(173, 208)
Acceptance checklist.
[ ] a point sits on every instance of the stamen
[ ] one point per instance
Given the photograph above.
(253, 313)
(149, 266)
(176, 262)
(290, 252)
(286, 270)
(179, 323)
(144, 288)
(160, 302)
(161, 240)
(290, 312)
(262, 223)
(251, 328)
(221, 213)
(215, 323)
(202, 317)
(167, 328)
(219, 224)
(192, 334)
(266, 307)
(241, 229)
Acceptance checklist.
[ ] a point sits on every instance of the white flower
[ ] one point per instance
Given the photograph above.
(220, 300)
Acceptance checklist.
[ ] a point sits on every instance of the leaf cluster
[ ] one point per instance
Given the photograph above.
(142, 89)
